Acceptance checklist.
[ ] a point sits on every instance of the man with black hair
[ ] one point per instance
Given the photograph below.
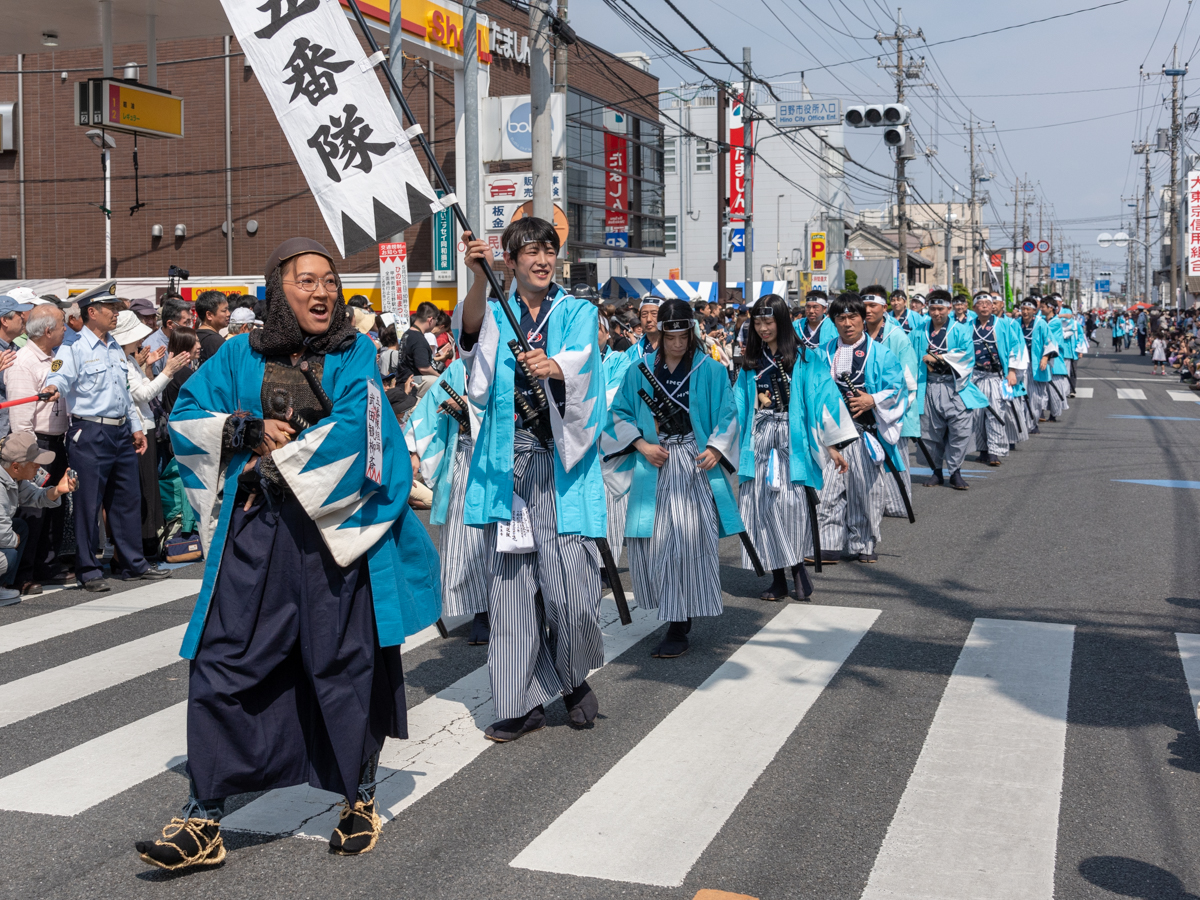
(815, 329)
(994, 352)
(416, 356)
(945, 393)
(104, 441)
(871, 380)
(212, 312)
(537, 486)
(648, 319)
(175, 313)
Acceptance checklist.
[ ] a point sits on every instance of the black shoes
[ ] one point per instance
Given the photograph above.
(804, 587)
(510, 729)
(96, 586)
(778, 589)
(480, 630)
(358, 829)
(675, 643)
(582, 706)
(957, 482)
(185, 844)
(936, 479)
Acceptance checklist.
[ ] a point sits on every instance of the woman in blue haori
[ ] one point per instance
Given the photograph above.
(680, 502)
(316, 569)
(790, 416)
(441, 438)
(536, 486)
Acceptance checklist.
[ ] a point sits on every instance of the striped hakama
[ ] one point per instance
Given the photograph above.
(946, 424)
(893, 503)
(776, 520)
(991, 432)
(851, 506)
(618, 510)
(465, 553)
(1051, 395)
(544, 606)
(677, 570)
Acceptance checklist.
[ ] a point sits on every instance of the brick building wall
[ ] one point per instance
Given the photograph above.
(182, 181)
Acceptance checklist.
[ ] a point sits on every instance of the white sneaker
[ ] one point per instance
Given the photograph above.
(9, 596)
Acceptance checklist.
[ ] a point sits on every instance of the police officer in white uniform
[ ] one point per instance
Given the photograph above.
(104, 440)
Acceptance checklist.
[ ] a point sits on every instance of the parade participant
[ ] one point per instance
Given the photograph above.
(871, 380)
(104, 441)
(994, 349)
(1071, 331)
(616, 486)
(816, 329)
(441, 438)
(906, 318)
(917, 304)
(882, 329)
(1118, 331)
(536, 470)
(1035, 334)
(963, 314)
(1016, 418)
(647, 342)
(790, 417)
(1052, 365)
(945, 393)
(316, 570)
(680, 502)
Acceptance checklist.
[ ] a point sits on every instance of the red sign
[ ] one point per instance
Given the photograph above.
(996, 261)
(737, 163)
(616, 191)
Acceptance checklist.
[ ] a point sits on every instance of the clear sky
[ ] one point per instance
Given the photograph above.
(1081, 70)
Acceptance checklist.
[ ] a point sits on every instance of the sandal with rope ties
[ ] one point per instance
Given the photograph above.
(186, 843)
(358, 829)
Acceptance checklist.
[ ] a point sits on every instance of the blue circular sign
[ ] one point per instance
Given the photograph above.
(519, 128)
(1028, 246)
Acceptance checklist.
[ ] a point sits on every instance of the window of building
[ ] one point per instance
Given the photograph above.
(703, 157)
(669, 158)
(669, 233)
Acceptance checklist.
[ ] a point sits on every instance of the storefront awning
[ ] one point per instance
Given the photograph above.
(618, 287)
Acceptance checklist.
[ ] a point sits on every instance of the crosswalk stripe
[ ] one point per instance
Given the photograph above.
(90, 773)
(1085, 393)
(979, 816)
(93, 612)
(444, 737)
(1131, 394)
(46, 690)
(159, 741)
(1189, 655)
(648, 819)
(1185, 396)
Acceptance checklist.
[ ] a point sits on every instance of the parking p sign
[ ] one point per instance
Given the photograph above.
(817, 248)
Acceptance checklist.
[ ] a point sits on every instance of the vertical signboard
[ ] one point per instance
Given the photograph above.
(737, 163)
(393, 282)
(616, 182)
(818, 249)
(443, 244)
(1193, 223)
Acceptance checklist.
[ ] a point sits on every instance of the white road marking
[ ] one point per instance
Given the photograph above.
(93, 612)
(445, 735)
(1084, 393)
(648, 819)
(51, 688)
(1131, 394)
(1189, 655)
(979, 817)
(90, 773)
(77, 779)
(1184, 396)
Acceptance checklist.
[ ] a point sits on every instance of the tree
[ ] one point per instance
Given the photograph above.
(851, 279)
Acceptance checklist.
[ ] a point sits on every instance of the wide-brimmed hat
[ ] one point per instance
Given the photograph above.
(130, 328)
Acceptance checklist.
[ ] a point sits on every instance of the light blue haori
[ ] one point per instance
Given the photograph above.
(357, 499)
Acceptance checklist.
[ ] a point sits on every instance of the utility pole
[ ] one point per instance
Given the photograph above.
(1144, 149)
(971, 253)
(722, 192)
(899, 37)
(540, 89)
(748, 294)
(561, 52)
(1016, 239)
(1039, 249)
(1173, 197)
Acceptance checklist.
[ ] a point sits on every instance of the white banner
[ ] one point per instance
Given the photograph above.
(393, 283)
(342, 130)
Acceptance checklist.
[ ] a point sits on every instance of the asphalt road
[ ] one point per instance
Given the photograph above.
(1060, 758)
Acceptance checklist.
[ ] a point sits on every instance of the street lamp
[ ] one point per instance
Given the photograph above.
(105, 143)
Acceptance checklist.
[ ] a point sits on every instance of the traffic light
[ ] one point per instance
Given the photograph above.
(891, 117)
(894, 135)
(727, 242)
(856, 116)
(895, 114)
